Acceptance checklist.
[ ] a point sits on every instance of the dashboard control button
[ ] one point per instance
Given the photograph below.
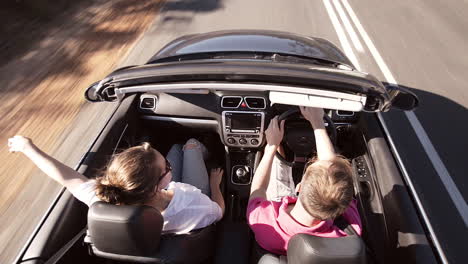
(231, 141)
(254, 141)
(243, 141)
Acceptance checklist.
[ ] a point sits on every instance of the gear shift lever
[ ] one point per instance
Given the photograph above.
(241, 174)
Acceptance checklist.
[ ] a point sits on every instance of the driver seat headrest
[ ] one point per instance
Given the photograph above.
(303, 248)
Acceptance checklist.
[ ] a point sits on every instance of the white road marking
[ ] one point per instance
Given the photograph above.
(431, 152)
(349, 28)
(442, 171)
(341, 34)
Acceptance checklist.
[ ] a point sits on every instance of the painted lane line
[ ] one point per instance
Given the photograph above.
(405, 173)
(341, 34)
(349, 28)
(370, 44)
(431, 152)
(442, 171)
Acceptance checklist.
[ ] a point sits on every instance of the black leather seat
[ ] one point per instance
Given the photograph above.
(305, 249)
(133, 233)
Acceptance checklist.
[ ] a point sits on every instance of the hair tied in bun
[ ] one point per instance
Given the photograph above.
(110, 193)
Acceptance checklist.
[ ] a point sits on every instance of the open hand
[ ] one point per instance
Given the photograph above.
(313, 115)
(275, 132)
(19, 143)
(216, 175)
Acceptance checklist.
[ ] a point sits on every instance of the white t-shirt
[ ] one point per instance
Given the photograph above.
(189, 208)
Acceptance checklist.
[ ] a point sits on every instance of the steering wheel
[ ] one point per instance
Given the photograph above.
(299, 136)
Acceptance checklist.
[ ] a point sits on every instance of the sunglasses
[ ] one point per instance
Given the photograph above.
(168, 169)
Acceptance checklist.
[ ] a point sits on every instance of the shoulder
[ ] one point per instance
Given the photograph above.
(259, 208)
(85, 192)
(184, 187)
(87, 186)
(352, 209)
(352, 216)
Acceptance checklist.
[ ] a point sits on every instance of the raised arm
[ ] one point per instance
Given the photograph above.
(58, 171)
(274, 135)
(325, 150)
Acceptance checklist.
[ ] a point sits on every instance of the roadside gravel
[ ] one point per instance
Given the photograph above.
(42, 94)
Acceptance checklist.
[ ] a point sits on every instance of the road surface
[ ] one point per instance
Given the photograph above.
(420, 45)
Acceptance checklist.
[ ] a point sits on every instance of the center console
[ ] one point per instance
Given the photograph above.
(243, 129)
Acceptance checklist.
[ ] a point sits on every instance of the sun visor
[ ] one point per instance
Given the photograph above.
(322, 99)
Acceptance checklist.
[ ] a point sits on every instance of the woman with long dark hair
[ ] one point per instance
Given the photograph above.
(177, 185)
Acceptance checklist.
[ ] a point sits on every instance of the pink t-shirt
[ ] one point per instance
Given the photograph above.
(273, 226)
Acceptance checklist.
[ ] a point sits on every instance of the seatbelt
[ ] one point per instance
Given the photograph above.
(342, 224)
(59, 254)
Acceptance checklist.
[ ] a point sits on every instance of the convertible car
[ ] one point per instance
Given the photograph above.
(223, 88)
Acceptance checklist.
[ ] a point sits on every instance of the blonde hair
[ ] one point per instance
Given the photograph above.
(327, 191)
(130, 176)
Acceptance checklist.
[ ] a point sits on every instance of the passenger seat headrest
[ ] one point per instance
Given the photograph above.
(125, 229)
(303, 248)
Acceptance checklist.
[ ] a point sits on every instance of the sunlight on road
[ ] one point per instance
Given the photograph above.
(42, 92)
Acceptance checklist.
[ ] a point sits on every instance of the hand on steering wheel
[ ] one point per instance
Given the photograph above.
(301, 140)
(313, 115)
(275, 132)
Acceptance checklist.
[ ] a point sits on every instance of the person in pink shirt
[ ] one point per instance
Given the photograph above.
(275, 214)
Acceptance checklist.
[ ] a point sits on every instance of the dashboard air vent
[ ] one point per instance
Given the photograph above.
(231, 101)
(255, 102)
(148, 102)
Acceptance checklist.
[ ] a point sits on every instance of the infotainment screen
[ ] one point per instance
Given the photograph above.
(245, 121)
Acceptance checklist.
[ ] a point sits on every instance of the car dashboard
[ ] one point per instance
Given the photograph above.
(239, 117)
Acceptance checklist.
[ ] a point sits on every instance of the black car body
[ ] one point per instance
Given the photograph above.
(189, 87)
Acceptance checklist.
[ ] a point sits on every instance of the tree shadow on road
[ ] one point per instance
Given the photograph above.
(445, 121)
(63, 45)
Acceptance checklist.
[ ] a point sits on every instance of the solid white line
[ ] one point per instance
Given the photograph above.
(370, 44)
(405, 173)
(431, 152)
(341, 34)
(438, 164)
(349, 28)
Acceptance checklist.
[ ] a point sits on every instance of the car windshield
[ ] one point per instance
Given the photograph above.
(274, 57)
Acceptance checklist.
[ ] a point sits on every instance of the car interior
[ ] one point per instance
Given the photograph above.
(231, 124)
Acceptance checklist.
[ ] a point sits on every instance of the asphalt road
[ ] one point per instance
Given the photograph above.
(417, 44)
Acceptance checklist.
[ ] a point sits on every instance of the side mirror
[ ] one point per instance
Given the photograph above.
(102, 91)
(91, 94)
(402, 98)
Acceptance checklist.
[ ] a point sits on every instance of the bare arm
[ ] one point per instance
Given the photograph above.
(325, 150)
(274, 135)
(215, 179)
(58, 171)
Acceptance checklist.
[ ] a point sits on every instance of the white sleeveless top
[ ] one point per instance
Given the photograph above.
(189, 208)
